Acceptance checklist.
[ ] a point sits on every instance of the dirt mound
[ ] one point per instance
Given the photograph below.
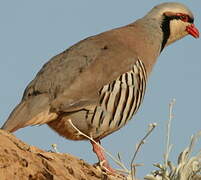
(20, 161)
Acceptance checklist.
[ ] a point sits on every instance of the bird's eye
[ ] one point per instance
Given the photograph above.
(184, 18)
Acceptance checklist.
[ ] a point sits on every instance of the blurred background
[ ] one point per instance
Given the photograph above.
(31, 32)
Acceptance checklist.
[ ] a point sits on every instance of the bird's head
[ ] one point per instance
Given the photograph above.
(176, 21)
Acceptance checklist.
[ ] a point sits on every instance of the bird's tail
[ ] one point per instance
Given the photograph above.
(33, 111)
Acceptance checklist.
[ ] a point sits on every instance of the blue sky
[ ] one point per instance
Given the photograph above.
(33, 31)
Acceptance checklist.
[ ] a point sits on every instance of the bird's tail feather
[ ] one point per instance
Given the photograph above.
(33, 111)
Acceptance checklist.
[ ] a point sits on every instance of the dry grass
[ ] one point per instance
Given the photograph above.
(187, 168)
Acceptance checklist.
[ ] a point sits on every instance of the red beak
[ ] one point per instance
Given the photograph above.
(193, 31)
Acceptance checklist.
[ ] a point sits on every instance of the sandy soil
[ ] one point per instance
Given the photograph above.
(20, 161)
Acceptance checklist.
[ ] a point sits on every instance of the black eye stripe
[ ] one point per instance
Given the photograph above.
(190, 20)
(165, 26)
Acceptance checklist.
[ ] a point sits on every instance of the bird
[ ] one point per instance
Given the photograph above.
(97, 85)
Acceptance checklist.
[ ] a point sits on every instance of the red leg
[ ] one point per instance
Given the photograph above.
(101, 156)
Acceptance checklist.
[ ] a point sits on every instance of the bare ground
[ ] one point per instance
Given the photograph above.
(20, 161)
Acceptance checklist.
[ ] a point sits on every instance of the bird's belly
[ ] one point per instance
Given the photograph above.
(119, 100)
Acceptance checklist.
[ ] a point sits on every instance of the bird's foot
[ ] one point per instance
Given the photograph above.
(103, 162)
(107, 169)
(105, 166)
(101, 157)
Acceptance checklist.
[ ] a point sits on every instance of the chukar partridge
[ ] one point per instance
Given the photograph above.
(99, 83)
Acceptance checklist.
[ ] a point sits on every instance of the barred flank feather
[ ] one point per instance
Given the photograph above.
(120, 100)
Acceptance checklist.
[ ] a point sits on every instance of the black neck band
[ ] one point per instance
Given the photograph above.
(165, 26)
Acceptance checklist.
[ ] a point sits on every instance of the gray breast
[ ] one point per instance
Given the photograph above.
(119, 101)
